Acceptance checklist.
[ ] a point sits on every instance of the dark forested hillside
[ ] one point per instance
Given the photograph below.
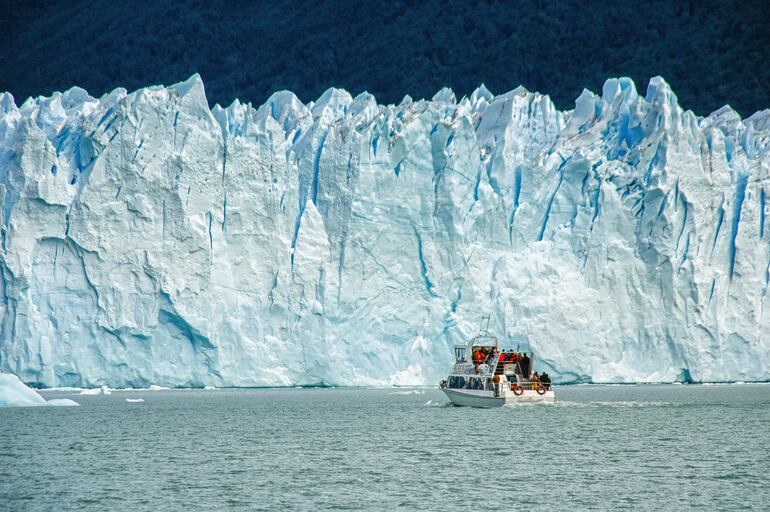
(711, 52)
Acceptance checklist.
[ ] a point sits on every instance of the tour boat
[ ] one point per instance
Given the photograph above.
(501, 378)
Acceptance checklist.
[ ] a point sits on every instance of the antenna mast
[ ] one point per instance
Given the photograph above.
(484, 329)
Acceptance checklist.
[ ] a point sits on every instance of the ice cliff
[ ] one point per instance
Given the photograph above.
(148, 239)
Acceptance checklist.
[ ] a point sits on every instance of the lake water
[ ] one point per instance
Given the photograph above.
(597, 448)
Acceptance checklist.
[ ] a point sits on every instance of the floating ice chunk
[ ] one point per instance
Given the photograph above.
(14, 393)
(135, 400)
(104, 390)
(62, 402)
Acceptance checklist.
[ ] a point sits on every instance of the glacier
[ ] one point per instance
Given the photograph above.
(148, 239)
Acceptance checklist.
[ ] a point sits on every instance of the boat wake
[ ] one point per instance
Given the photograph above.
(411, 392)
(618, 404)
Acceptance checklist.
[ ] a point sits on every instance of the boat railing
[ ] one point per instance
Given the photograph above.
(529, 384)
(481, 370)
(489, 370)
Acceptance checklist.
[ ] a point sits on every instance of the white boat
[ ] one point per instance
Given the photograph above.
(503, 377)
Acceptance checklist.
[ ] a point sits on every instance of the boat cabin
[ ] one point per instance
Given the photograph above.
(480, 360)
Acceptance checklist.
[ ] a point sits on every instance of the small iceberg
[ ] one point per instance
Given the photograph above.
(14, 393)
(104, 390)
(62, 402)
(135, 400)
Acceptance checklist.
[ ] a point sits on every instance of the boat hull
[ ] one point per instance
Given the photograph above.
(486, 399)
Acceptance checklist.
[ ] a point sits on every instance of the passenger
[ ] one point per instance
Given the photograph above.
(492, 357)
(517, 373)
(545, 380)
(535, 380)
(502, 357)
(478, 356)
(525, 365)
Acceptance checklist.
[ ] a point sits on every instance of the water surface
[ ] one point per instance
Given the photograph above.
(597, 448)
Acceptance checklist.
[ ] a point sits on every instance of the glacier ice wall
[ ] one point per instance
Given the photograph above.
(149, 239)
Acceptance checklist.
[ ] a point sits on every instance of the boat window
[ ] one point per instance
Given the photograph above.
(460, 355)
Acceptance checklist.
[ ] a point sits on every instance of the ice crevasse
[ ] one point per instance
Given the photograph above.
(149, 239)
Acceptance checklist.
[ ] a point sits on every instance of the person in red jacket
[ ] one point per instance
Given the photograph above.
(478, 356)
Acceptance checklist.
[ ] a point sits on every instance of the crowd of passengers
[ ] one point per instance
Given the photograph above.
(490, 355)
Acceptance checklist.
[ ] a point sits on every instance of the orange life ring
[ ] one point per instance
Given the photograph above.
(517, 390)
(540, 389)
